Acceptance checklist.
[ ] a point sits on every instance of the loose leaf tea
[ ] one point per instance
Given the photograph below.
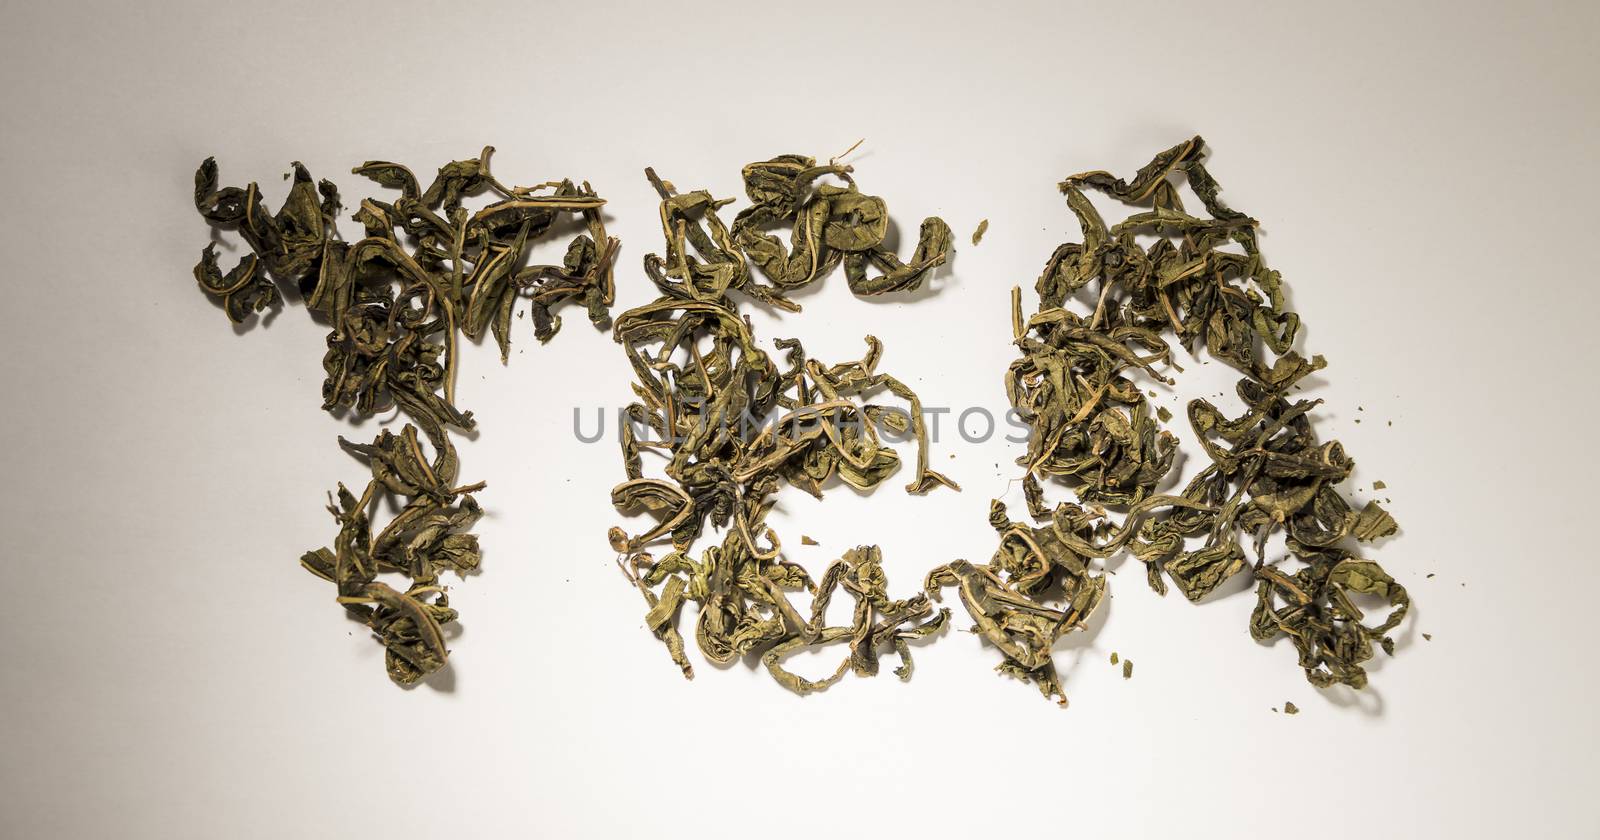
(1108, 307)
(427, 272)
(830, 225)
(734, 426)
(425, 539)
(1039, 584)
(1006, 597)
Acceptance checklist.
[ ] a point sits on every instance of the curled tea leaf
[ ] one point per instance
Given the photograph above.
(242, 290)
(1035, 589)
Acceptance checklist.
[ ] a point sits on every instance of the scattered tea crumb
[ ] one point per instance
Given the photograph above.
(1289, 708)
(1427, 636)
(1430, 574)
(978, 234)
(1274, 709)
(1163, 413)
(1127, 669)
(1113, 657)
(1358, 419)
(805, 540)
(1378, 485)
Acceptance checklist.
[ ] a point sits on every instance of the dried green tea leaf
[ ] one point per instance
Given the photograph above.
(1289, 708)
(977, 235)
(1314, 609)
(1035, 588)
(243, 290)
(1373, 523)
(1127, 669)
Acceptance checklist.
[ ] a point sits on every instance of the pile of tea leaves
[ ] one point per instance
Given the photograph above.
(726, 427)
(426, 273)
(1108, 306)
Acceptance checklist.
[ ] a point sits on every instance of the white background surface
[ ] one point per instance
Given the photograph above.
(1425, 179)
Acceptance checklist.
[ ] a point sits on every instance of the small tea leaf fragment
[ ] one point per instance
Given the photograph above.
(1373, 523)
